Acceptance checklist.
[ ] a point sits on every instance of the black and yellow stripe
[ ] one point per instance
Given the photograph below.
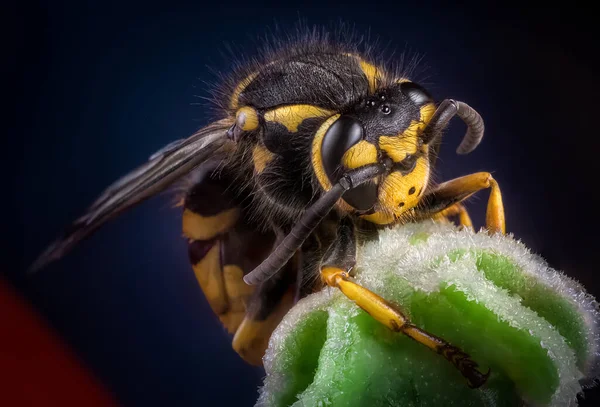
(222, 248)
(292, 116)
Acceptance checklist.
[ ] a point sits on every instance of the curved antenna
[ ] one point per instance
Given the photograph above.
(309, 221)
(446, 111)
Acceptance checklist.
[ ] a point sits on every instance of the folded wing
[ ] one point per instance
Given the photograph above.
(163, 169)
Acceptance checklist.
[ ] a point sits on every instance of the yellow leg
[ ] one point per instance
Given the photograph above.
(390, 316)
(494, 217)
(449, 193)
(458, 209)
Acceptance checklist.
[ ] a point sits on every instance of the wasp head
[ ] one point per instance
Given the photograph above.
(383, 128)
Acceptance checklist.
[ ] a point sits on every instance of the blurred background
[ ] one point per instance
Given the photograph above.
(99, 86)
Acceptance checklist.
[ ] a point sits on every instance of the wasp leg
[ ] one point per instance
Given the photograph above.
(336, 272)
(458, 209)
(266, 308)
(451, 192)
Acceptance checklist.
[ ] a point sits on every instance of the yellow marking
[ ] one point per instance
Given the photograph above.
(234, 101)
(398, 147)
(252, 337)
(247, 118)
(209, 276)
(317, 159)
(293, 115)
(394, 193)
(402, 80)
(200, 227)
(427, 112)
(395, 188)
(362, 153)
(373, 73)
(261, 157)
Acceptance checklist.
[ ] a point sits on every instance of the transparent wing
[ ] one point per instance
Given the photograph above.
(163, 168)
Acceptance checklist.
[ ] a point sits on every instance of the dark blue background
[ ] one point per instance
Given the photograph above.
(99, 87)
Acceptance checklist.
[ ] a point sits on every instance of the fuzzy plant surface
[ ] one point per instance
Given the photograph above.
(535, 328)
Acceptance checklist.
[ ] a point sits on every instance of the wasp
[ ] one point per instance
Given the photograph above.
(317, 147)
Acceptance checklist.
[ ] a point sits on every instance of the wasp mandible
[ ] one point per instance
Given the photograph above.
(318, 147)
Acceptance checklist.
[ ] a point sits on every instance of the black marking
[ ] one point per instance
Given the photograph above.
(386, 117)
(197, 249)
(411, 190)
(245, 247)
(208, 196)
(232, 250)
(401, 204)
(279, 140)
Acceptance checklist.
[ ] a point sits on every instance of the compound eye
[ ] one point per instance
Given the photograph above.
(416, 93)
(343, 134)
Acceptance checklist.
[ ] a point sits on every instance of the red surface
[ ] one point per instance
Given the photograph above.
(36, 368)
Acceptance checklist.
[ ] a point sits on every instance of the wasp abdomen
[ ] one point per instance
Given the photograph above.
(208, 217)
(223, 247)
